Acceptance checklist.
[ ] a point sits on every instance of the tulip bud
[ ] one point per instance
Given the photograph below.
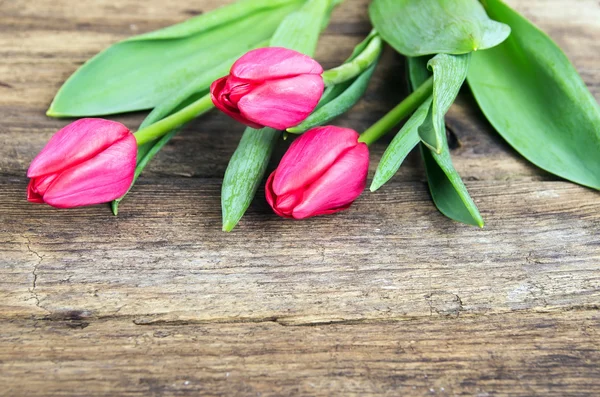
(90, 161)
(322, 172)
(270, 87)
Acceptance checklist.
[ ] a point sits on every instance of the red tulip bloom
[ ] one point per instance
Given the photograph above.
(270, 87)
(90, 161)
(323, 172)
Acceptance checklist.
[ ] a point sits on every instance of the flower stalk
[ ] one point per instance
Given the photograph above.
(399, 113)
(357, 66)
(164, 126)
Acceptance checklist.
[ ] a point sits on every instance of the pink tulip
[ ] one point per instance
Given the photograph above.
(270, 87)
(90, 161)
(323, 172)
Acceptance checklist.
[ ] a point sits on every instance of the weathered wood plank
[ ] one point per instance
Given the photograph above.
(511, 354)
(402, 300)
(391, 256)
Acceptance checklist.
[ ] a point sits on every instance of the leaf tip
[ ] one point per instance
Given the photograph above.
(294, 130)
(51, 112)
(375, 185)
(228, 226)
(114, 206)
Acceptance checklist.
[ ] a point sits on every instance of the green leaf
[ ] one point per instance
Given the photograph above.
(299, 31)
(362, 46)
(535, 99)
(449, 74)
(338, 105)
(408, 136)
(245, 173)
(141, 72)
(445, 184)
(402, 144)
(426, 27)
(418, 72)
(357, 65)
(447, 189)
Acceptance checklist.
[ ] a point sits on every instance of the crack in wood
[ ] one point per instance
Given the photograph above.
(33, 287)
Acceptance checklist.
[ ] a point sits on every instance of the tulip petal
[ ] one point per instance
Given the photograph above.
(76, 143)
(101, 179)
(272, 198)
(281, 104)
(335, 190)
(220, 98)
(32, 194)
(310, 156)
(40, 184)
(274, 63)
(236, 89)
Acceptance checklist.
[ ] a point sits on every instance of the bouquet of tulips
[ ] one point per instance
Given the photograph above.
(253, 61)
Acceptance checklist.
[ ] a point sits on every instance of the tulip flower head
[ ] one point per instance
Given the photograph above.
(90, 161)
(270, 87)
(322, 173)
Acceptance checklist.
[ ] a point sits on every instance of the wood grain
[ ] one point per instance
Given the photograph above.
(388, 298)
(517, 354)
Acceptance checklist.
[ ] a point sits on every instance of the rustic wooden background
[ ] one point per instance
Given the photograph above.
(389, 298)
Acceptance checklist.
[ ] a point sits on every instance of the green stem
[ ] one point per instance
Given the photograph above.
(399, 113)
(358, 65)
(164, 126)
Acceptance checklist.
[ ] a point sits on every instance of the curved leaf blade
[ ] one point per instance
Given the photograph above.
(447, 189)
(449, 74)
(534, 97)
(245, 172)
(141, 72)
(213, 19)
(418, 72)
(402, 144)
(300, 30)
(426, 27)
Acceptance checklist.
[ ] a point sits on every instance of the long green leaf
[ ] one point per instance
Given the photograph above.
(408, 136)
(449, 74)
(535, 99)
(141, 72)
(418, 72)
(245, 172)
(448, 191)
(402, 144)
(355, 67)
(213, 19)
(447, 188)
(427, 27)
(299, 31)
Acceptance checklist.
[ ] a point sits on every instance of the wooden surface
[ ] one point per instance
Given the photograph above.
(388, 298)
